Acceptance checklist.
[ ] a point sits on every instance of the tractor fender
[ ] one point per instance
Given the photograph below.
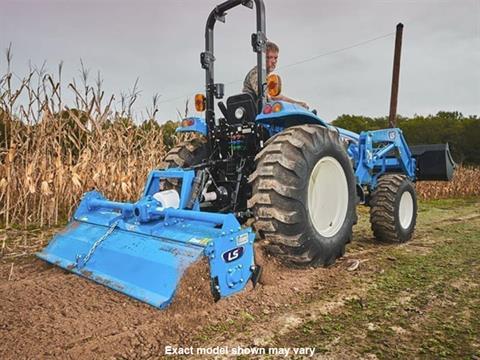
(193, 124)
(279, 115)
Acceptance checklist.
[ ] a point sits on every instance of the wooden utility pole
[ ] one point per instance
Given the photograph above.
(392, 119)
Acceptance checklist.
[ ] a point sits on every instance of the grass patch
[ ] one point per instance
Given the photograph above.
(422, 305)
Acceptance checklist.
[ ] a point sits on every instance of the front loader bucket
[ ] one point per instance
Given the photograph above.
(142, 249)
(434, 162)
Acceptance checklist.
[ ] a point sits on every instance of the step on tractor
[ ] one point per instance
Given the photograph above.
(274, 165)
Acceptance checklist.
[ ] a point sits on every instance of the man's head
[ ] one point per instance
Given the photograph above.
(272, 56)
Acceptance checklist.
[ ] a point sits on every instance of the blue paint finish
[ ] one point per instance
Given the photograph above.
(290, 115)
(231, 276)
(380, 152)
(145, 268)
(348, 135)
(199, 126)
(289, 110)
(186, 177)
(149, 249)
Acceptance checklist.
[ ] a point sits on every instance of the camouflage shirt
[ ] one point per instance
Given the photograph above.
(250, 83)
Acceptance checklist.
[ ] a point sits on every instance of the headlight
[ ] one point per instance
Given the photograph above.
(239, 113)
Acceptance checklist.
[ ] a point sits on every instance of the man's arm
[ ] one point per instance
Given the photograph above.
(250, 83)
(290, 100)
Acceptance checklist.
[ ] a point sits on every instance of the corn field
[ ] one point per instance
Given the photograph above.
(466, 182)
(50, 154)
(41, 181)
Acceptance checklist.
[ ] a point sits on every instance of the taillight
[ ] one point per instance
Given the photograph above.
(274, 85)
(277, 107)
(187, 122)
(200, 102)
(267, 109)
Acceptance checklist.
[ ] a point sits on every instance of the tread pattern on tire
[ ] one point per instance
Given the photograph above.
(382, 208)
(281, 176)
(183, 155)
(186, 153)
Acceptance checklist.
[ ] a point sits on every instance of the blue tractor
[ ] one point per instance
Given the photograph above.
(296, 178)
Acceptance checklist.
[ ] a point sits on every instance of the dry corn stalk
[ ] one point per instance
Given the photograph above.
(51, 154)
(465, 183)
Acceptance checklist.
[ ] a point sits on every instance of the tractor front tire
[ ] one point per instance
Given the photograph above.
(304, 198)
(393, 209)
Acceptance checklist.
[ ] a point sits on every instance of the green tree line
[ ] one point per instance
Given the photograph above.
(462, 133)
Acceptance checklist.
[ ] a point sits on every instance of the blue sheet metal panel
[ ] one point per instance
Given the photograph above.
(231, 261)
(144, 268)
(199, 126)
(290, 115)
(192, 232)
(375, 159)
(178, 230)
(289, 110)
(172, 228)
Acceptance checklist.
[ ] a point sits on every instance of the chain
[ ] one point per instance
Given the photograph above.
(87, 257)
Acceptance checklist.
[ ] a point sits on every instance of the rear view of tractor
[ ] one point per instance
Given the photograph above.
(297, 177)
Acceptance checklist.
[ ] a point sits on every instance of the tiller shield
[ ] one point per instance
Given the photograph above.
(142, 249)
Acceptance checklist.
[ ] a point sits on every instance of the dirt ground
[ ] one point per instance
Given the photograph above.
(46, 312)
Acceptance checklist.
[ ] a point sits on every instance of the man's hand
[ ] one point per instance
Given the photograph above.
(303, 104)
(287, 99)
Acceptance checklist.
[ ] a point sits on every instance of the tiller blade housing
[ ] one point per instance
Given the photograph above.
(142, 249)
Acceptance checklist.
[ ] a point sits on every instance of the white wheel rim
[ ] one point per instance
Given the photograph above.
(327, 196)
(405, 211)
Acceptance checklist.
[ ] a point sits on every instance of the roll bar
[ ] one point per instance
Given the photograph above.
(207, 59)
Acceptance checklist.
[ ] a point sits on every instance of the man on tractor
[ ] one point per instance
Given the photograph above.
(250, 82)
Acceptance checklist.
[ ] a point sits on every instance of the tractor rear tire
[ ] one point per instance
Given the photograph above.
(304, 198)
(393, 211)
(187, 153)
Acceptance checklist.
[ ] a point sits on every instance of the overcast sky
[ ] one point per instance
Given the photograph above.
(159, 42)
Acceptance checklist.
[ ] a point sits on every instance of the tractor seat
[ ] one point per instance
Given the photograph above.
(240, 109)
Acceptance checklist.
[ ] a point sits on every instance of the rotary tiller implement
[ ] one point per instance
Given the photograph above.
(143, 248)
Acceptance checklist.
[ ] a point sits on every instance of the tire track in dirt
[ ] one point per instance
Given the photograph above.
(332, 288)
(63, 314)
(284, 322)
(52, 317)
(58, 314)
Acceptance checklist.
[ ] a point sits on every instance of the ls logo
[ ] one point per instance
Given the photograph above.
(233, 254)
